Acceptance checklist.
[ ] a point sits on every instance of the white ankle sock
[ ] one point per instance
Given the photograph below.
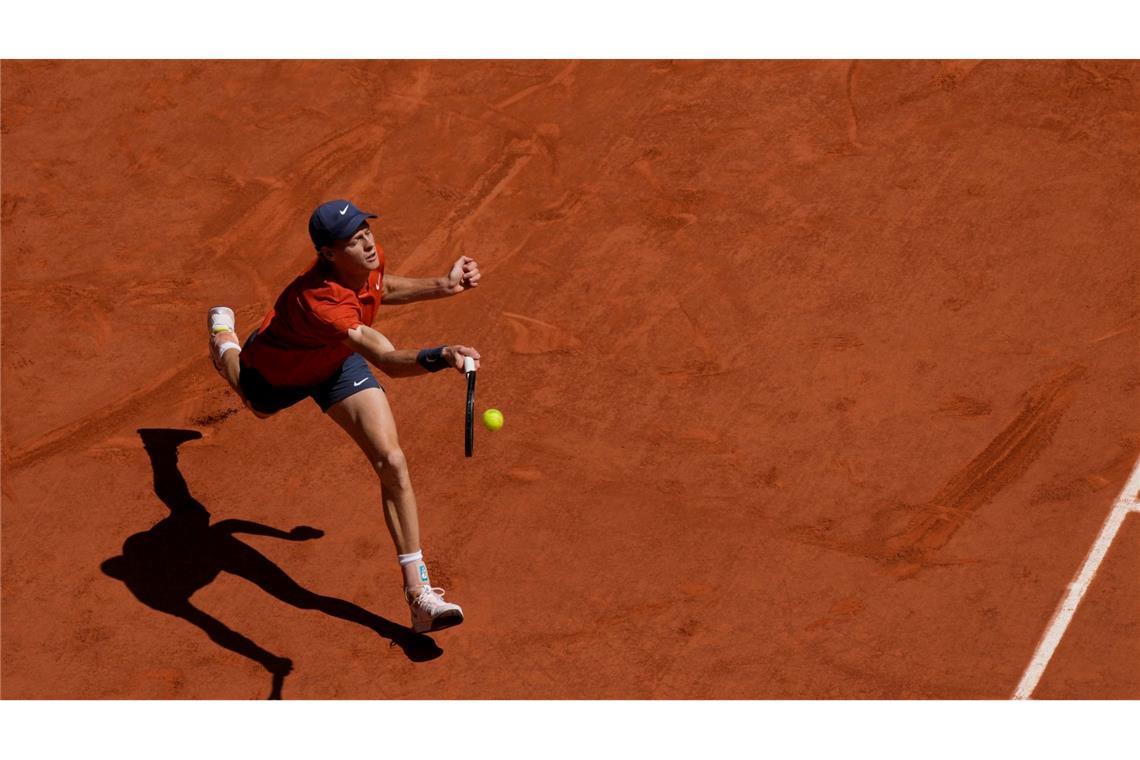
(407, 559)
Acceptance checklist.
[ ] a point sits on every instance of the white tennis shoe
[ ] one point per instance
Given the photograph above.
(222, 325)
(431, 613)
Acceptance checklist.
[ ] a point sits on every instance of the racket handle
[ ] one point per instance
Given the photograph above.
(468, 364)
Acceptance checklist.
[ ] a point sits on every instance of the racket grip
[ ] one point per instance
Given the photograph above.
(468, 364)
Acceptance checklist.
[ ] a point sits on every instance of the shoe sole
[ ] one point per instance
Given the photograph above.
(441, 622)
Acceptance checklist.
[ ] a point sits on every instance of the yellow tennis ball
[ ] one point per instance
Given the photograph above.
(493, 419)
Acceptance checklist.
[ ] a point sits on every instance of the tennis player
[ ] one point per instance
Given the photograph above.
(317, 342)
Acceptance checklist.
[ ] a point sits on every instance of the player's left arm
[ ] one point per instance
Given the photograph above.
(463, 275)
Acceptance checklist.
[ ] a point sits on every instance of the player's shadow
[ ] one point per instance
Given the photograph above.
(183, 553)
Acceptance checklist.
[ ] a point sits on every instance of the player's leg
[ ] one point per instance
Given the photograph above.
(367, 418)
(225, 350)
(224, 345)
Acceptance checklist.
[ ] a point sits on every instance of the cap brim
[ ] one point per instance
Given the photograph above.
(352, 225)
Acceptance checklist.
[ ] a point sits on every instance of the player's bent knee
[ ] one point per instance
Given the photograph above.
(391, 463)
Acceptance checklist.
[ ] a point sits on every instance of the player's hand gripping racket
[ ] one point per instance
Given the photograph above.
(469, 438)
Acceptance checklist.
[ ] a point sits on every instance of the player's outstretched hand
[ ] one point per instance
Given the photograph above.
(464, 275)
(305, 533)
(454, 356)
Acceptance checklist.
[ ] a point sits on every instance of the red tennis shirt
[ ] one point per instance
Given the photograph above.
(301, 340)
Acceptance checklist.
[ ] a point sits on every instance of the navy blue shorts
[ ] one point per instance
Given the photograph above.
(353, 376)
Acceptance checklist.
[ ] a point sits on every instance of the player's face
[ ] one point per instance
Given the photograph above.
(359, 251)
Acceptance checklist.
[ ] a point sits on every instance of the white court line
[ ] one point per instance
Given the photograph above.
(1125, 503)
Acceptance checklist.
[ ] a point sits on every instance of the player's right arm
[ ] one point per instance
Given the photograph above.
(400, 362)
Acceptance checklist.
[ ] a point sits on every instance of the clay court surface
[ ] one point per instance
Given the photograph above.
(820, 378)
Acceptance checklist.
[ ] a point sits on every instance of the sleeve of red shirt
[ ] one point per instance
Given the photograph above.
(329, 318)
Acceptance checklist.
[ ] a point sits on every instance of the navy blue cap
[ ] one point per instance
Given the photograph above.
(335, 220)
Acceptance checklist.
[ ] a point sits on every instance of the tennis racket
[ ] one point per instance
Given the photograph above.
(469, 437)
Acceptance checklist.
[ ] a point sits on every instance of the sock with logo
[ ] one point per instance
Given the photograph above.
(415, 571)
